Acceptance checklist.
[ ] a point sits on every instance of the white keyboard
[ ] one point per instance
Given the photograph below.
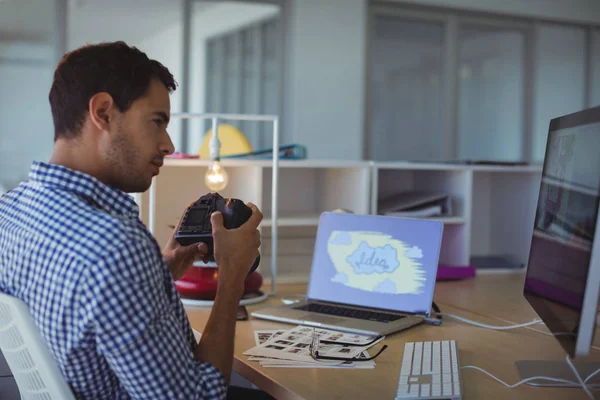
(430, 370)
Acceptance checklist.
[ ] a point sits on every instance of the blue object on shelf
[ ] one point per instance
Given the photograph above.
(286, 152)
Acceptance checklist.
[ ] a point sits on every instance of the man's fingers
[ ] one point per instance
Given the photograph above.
(216, 220)
(194, 250)
(255, 218)
(202, 249)
(257, 238)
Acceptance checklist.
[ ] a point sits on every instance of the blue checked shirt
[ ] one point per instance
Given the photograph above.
(75, 251)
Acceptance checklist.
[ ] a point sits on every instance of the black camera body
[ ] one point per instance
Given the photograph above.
(195, 226)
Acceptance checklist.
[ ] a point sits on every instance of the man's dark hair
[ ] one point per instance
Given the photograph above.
(116, 68)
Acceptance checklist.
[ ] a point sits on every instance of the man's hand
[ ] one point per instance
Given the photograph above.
(235, 250)
(180, 258)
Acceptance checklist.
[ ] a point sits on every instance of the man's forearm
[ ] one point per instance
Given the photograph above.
(216, 344)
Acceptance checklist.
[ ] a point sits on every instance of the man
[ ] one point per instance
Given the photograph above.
(73, 248)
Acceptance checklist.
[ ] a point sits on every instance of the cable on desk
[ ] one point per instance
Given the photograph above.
(486, 326)
(590, 376)
(582, 382)
(520, 382)
(293, 298)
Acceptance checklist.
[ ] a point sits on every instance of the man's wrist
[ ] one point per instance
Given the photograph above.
(229, 283)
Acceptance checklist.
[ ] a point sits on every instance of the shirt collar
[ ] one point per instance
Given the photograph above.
(109, 199)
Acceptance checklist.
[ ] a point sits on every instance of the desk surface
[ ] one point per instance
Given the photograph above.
(487, 299)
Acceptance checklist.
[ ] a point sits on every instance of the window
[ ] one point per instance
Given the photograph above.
(407, 94)
(447, 85)
(490, 82)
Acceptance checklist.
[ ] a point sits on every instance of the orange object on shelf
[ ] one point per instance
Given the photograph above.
(233, 141)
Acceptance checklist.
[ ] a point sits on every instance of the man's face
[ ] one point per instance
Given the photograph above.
(137, 146)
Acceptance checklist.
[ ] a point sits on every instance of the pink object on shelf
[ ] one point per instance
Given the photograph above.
(182, 156)
(452, 272)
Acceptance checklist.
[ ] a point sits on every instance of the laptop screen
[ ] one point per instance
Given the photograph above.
(376, 261)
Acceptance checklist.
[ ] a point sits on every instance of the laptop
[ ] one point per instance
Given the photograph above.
(371, 275)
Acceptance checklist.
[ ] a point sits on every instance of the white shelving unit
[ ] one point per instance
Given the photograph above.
(493, 207)
(503, 210)
(391, 178)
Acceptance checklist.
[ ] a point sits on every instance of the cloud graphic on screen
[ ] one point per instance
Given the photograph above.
(370, 260)
(414, 252)
(385, 286)
(340, 277)
(342, 238)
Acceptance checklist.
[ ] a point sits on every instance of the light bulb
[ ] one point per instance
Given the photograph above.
(216, 178)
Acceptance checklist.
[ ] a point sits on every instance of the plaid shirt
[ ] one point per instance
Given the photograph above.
(75, 250)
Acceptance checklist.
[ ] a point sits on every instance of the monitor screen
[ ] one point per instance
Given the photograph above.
(376, 261)
(565, 224)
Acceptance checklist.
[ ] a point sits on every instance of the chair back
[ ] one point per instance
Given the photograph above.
(29, 359)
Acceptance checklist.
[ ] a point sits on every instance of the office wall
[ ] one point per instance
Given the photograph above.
(165, 46)
(325, 89)
(154, 27)
(27, 59)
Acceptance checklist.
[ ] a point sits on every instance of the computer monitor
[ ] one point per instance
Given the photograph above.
(562, 282)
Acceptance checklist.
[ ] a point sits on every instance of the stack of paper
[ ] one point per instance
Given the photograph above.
(416, 204)
(291, 348)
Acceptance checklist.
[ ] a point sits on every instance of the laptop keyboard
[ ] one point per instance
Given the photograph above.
(350, 312)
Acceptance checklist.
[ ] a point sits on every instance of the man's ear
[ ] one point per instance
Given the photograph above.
(102, 110)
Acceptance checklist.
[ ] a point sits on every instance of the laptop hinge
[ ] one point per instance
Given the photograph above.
(379, 310)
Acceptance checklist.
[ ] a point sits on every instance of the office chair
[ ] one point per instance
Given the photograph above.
(35, 370)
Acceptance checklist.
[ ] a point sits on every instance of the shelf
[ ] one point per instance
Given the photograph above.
(299, 220)
(501, 271)
(493, 206)
(453, 220)
(505, 168)
(241, 162)
(449, 220)
(313, 220)
(418, 166)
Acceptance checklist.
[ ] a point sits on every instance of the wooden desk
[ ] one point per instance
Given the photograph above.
(494, 351)
(500, 296)
(497, 296)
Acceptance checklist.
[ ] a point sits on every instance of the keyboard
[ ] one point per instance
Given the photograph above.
(349, 312)
(430, 370)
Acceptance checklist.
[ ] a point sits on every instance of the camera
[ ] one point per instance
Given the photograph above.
(195, 225)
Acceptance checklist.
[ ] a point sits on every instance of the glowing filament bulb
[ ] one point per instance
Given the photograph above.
(216, 177)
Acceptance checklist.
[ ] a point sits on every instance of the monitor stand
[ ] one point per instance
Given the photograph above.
(559, 370)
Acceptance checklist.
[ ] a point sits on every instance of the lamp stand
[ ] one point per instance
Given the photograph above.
(214, 152)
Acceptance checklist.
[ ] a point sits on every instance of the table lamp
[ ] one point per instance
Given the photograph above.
(216, 178)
